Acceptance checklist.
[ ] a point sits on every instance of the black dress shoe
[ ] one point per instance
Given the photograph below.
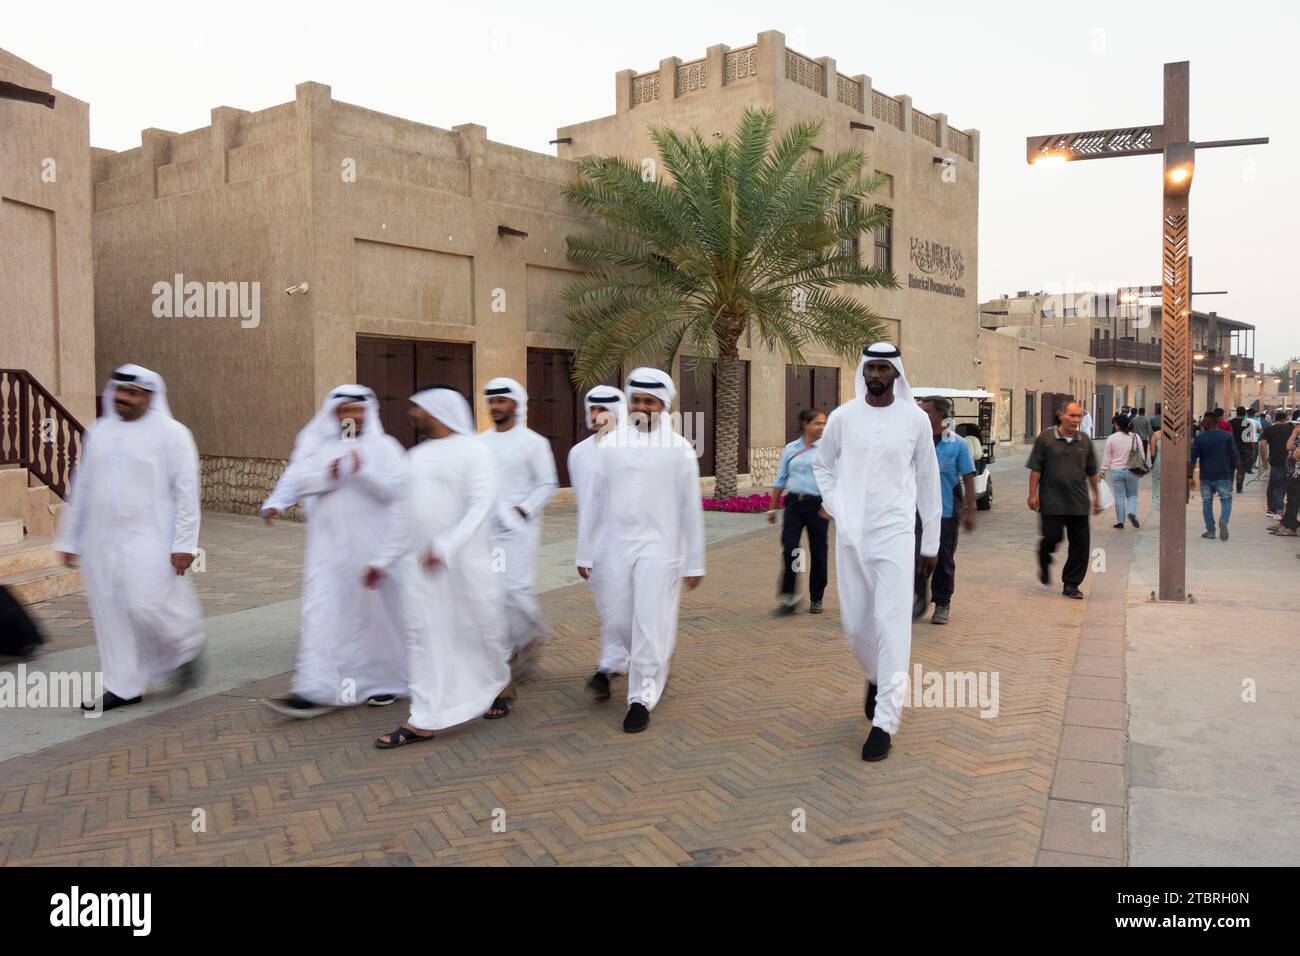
(870, 706)
(598, 687)
(877, 745)
(637, 719)
(109, 701)
(1133, 520)
(1044, 573)
(1072, 593)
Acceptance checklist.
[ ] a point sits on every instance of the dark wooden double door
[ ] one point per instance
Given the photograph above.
(809, 386)
(398, 368)
(698, 398)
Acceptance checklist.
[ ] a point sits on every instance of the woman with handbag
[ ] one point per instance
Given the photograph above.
(1123, 464)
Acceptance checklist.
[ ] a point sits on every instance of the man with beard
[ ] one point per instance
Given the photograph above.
(526, 480)
(132, 519)
(877, 471)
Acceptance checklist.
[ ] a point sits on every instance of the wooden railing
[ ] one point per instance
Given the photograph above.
(36, 431)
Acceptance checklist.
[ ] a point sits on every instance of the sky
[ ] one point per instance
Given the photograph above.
(1009, 69)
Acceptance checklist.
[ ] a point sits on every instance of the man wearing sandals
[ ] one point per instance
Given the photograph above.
(457, 649)
(877, 470)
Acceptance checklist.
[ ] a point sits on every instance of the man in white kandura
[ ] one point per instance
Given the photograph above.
(641, 534)
(132, 519)
(351, 477)
(525, 483)
(606, 410)
(877, 469)
(457, 652)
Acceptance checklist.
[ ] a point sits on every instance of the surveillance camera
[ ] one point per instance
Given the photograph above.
(300, 287)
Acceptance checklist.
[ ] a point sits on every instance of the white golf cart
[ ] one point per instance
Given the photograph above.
(972, 414)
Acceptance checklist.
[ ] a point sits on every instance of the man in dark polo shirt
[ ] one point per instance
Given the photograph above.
(1063, 486)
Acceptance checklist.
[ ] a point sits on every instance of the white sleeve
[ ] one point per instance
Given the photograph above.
(284, 495)
(594, 490)
(826, 461)
(383, 471)
(185, 492)
(480, 500)
(542, 464)
(929, 500)
(691, 514)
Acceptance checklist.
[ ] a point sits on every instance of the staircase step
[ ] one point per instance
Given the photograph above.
(31, 554)
(38, 516)
(13, 492)
(44, 584)
(11, 531)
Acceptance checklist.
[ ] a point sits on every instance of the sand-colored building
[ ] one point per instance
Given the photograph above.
(47, 320)
(430, 255)
(1121, 333)
(932, 191)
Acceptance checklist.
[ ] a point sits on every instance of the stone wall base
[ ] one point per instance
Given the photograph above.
(240, 485)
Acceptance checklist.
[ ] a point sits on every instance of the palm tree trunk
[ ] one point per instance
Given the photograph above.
(726, 436)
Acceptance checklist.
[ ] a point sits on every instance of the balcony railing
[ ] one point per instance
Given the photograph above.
(1124, 350)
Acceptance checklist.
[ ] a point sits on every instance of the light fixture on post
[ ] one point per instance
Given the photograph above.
(511, 231)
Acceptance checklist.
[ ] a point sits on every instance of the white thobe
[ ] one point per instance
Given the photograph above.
(134, 502)
(641, 532)
(877, 468)
(352, 645)
(457, 652)
(613, 645)
(525, 479)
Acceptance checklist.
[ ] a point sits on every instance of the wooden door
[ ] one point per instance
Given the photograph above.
(398, 368)
(554, 406)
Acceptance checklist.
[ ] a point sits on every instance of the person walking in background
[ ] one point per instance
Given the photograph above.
(803, 509)
(1275, 439)
(1238, 425)
(956, 468)
(1287, 527)
(1250, 434)
(1141, 426)
(1217, 453)
(1117, 467)
(1220, 422)
(1086, 427)
(1063, 492)
(1155, 419)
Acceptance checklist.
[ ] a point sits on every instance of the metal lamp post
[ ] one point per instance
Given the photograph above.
(1171, 140)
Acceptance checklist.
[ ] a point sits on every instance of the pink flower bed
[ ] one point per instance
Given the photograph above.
(742, 503)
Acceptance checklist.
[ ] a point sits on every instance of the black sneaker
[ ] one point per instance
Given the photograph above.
(598, 687)
(815, 607)
(785, 607)
(110, 701)
(1044, 573)
(1208, 534)
(1120, 525)
(1133, 520)
(877, 745)
(1072, 593)
(381, 700)
(637, 719)
(1223, 531)
(869, 708)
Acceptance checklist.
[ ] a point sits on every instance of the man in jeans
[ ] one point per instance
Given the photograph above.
(1062, 478)
(1217, 453)
(1275, 437)
(956, 468)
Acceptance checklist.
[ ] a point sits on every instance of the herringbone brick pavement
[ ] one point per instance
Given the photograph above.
(758, 732)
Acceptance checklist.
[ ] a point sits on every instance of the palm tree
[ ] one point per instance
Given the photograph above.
(742, 233)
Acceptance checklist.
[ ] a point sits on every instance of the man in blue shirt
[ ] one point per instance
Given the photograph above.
(956, 466)
(803, 509)
(1217, 453)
